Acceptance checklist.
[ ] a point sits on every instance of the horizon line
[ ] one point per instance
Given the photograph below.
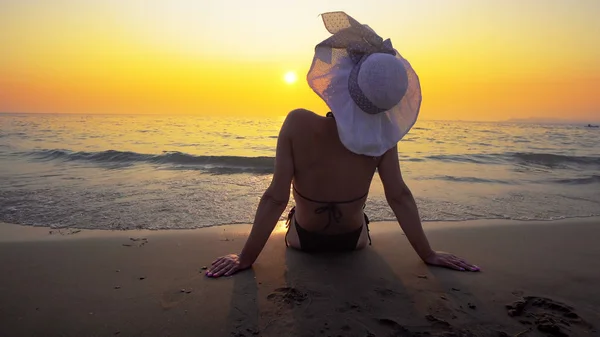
(542, 120)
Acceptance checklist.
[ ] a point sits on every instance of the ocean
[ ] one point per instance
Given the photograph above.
(159, 172)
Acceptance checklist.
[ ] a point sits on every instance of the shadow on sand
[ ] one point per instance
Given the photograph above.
(349, 294)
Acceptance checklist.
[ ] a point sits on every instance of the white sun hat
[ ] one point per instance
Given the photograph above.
(372, 91)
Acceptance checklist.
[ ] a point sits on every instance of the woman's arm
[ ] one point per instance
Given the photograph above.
(268, 212)
(405, 208)
(272, 204)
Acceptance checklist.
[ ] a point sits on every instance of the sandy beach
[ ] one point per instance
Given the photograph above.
(538, 279)
(139, 141)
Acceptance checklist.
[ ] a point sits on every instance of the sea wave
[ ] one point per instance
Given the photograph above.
(469, 179)
(579, 181)
(264, 164)
(466, 158)
(178, 160)
(522, 158)
(552, 160)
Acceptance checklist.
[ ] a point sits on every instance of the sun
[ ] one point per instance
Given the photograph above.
(290, 77)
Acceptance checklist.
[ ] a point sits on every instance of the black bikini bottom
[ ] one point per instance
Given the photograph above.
(313, 242)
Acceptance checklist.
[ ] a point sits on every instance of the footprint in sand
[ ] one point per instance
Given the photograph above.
(548, 316)
(386, 292)
(288, 296)
(348, 307)
(172, 299)
(436, 327)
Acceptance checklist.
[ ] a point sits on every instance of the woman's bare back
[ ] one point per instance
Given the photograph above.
(324, 170)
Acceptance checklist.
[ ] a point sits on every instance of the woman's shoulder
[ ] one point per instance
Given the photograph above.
(302, 119)
(303, 114)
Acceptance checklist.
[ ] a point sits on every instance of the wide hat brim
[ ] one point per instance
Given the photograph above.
(360, 132)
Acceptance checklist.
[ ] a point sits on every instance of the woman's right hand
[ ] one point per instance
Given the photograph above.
(447, 260)
(226, 266)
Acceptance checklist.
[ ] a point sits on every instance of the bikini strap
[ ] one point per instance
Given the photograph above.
(367, 224)
(329, 202)
(287, 224)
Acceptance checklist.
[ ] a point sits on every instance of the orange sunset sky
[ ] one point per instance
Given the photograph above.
(477, 59)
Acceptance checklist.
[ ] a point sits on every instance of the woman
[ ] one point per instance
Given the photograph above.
(374, 96)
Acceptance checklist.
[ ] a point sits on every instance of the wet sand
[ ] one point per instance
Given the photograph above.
(538, 279)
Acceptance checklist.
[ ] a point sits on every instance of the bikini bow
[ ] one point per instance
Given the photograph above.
(333, 210)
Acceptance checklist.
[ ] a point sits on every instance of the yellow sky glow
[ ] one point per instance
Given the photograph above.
(477, 60)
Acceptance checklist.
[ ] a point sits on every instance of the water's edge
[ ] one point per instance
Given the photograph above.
(282, 221)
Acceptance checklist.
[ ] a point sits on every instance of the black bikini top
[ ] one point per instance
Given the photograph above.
(331, 207)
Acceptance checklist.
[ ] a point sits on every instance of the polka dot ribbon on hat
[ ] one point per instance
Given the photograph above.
(359, 41)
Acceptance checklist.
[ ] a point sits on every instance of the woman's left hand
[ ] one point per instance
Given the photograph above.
(225, 266)
(447, 260)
